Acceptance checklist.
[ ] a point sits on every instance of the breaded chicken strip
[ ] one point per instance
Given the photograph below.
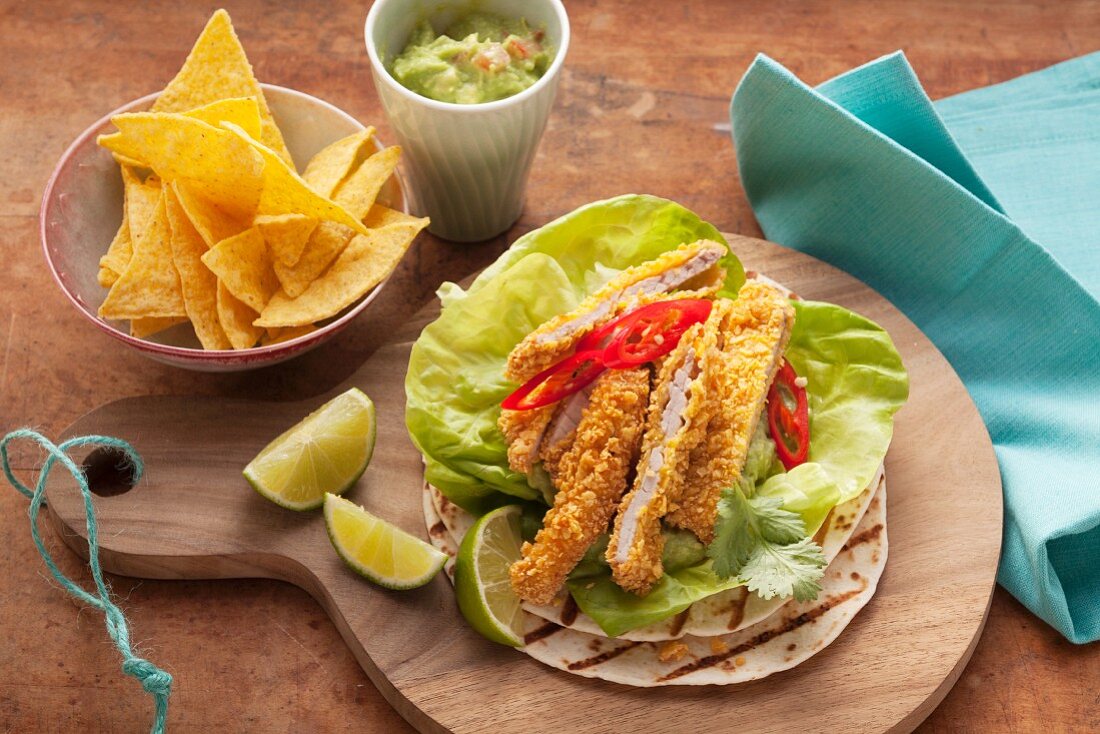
(542, 434)
(523, 431)
(562, 432)
(679, 412)
(693, 266)
(593, 475)
(545, 433)
(753, 337)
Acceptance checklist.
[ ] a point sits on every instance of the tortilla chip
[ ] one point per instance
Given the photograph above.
(381, 216)
(212, 223)
(286, 235)
(241, 111)
(236, 320)
(122, 150)
(123, 160)
(141, 199)
(199, 285)
(118, 254)
(284, 191)
(365, 262)
(332, 164)
(105, 276)
(148, 326)
(139, 202)
(243, 264)
(150, 286)
(358, 192)
(326, 243)
(216, 164)
(277, 336)
(217, 68)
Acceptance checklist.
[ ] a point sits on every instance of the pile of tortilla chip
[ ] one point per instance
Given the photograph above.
(220, 230)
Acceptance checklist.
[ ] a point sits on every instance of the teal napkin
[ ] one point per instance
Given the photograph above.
(979, 218)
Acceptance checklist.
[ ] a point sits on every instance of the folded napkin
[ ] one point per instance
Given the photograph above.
(978, 217)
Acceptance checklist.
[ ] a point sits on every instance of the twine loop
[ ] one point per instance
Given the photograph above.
(154, 680)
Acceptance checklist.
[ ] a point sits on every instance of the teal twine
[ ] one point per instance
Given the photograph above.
(153, 679)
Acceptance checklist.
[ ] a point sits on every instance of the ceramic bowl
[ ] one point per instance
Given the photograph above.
(82, 208)
(468, 162)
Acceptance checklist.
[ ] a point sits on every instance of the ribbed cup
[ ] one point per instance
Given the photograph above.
(468, 163)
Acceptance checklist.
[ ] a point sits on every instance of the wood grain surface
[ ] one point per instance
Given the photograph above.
(645, 83)
(193, 516)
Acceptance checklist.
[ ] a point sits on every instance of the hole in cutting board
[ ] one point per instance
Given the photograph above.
(109, 472)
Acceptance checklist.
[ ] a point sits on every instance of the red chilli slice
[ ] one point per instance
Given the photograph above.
(554, 383)
(653, 331)
(789, 417)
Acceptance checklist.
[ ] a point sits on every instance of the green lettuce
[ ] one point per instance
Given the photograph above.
(455, 380)
(856, 382)
(455, 383)
(597, 241)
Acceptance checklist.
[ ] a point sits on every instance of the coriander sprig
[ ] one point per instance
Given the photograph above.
(766, 547)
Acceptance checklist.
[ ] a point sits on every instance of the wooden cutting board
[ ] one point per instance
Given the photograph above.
(193, 516)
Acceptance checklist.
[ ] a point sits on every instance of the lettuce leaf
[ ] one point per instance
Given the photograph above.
(455, 380)
(856, 382)
(618, 611)
(597, 241)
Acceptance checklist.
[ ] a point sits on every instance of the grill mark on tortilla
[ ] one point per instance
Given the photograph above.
(678, 623)
(603, 657)
(541, 633)
(737, 610)
(789, 625)
(863, 536)
(438, 530)
(569, 611)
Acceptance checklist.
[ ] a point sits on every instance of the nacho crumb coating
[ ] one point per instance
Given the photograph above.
(552, 456)
(523, 431)
(754, 335)
(593, 476)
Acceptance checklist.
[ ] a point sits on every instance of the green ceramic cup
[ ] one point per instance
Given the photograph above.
(468, 163)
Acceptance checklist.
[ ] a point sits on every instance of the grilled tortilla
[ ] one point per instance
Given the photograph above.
(723, 613)
(773, 643)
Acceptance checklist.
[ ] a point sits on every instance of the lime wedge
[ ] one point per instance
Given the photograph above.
(378, 551)
(482, 585)
(326, 452)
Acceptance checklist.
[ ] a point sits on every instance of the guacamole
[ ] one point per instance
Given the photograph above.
(493, 58)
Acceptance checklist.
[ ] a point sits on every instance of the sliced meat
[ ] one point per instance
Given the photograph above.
(562, 431)
(695, 265)
(593, 476)
(753, 336)
(679, 412)
(523, 431)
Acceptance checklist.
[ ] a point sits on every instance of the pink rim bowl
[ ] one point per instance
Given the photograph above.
(82, 208)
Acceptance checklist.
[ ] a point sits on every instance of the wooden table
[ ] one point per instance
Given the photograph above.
(644, 87)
